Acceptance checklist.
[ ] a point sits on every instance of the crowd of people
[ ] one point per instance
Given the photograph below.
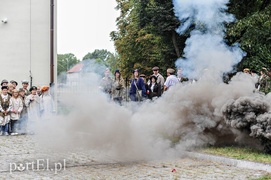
(140, 87)
(152, 87)
(20, 108)
(263, 79)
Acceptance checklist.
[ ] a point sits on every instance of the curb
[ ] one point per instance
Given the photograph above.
(231, 161)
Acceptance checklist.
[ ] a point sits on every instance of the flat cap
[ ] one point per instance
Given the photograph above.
(155, 68)
(12, 81)
(25, 82)
(4, 81)
(170, 70)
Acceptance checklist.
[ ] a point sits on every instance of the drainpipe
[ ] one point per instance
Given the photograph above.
(52, 43)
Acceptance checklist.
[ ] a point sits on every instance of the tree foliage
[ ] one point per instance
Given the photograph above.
(65, 62)
(146, 34)
(104, 58)
(253, 31)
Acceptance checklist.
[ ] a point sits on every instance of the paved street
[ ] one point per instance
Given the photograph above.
(22, 158)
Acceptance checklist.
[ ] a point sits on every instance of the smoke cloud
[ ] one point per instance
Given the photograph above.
(206, 47)
(186, 116)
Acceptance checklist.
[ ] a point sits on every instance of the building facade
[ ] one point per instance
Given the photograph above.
(27, 44)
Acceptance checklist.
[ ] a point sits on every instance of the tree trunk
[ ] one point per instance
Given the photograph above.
(174, 40)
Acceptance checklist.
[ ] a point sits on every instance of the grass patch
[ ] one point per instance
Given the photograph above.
(239, 153)
(266, 177)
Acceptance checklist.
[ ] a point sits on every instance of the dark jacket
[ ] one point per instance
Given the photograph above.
(140, 85)
(156, 90)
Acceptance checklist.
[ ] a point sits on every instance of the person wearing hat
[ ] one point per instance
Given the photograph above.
(264, 82)
(33, 105)
(171, 79)
(14, 83)
(246, 70)
(47, 103)
(154, 88)
(137, 90)
(4, 82)
(118, 88)
(25, 84)
(160, 78)
(5, 109)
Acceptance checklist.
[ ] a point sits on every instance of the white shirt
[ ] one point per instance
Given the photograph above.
(171, 81)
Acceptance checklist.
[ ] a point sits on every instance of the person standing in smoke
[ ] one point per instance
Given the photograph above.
(264, 82)
(154, 88)
(160, 78)
(33, 105)
(47, 103)
(106, 83)
(118, 88)
(246, 70)
(137, 89)
(171, 80)
(17, 107)
(5, 109)
(180, 76)
(38, 90)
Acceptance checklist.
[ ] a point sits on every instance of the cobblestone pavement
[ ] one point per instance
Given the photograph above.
(19, 156)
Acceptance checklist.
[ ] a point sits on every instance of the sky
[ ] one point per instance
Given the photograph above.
(85, 25)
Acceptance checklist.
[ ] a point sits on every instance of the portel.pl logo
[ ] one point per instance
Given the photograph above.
(39, 165)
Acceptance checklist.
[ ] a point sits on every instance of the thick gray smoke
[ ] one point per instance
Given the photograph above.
(243, 112)
(206, 47)
(251, 115)
(184, 117)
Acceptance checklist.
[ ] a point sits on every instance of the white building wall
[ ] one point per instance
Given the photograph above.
(25, 41)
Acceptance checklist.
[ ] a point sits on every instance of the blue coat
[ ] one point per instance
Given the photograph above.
(140, 85)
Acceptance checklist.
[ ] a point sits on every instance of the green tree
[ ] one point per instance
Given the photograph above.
(65, 62)
(253, 31)
(103, 57)
(146, 35)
